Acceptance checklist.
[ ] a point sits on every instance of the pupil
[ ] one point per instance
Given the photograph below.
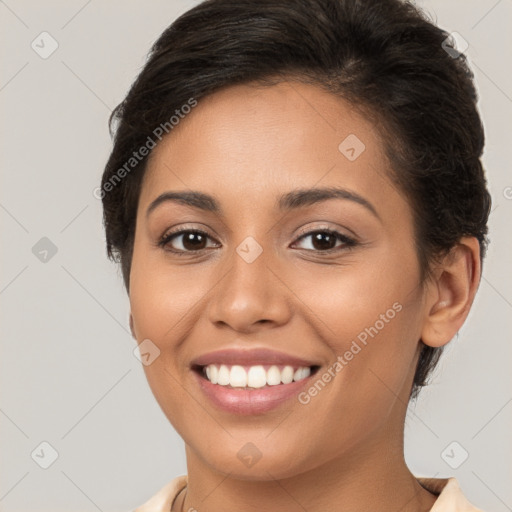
(193, 241)
(324, 241)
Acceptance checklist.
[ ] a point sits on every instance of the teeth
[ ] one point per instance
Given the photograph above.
(237, 376)
(256, 377)
(223, 378)
(287, 375)
(214, 374)
(301, 373)
(273, 376)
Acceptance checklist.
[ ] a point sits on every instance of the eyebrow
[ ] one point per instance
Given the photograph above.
(195, 199)
(289, 201)
(309, 196)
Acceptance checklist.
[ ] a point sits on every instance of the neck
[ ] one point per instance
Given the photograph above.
(372, 478)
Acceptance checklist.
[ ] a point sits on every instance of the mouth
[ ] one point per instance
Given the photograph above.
(252, 381)
(252, 377)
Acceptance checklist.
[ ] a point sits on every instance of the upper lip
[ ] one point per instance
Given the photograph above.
(256, 356)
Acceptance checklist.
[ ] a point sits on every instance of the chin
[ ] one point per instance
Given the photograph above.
(244, 460)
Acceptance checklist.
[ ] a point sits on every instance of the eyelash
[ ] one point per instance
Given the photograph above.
(348, 243)
(173, 234)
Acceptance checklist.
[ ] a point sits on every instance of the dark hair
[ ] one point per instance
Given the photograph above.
(385, 57)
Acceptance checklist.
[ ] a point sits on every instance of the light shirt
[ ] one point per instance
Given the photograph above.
(450, 497)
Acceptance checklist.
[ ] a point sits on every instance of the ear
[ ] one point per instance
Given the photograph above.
(450, 292)
(131, 327)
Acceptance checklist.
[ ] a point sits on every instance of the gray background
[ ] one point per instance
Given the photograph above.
(68, 375)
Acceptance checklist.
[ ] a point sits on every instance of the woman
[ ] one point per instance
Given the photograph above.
(296, 199)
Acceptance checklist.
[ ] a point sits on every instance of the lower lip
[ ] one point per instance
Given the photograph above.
(250, 401)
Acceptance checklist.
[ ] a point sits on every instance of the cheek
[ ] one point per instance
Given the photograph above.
(163, 300)
(161, 304)
(161, 310)
(370, 317)
(351, 298)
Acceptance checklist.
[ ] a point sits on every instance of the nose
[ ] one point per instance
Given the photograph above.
(250, 296)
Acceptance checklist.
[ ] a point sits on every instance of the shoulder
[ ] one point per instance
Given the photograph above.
(450, 496)
(162, 500)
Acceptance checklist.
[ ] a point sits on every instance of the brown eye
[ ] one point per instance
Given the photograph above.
(185, 241)
(193, 241)
(325, 240)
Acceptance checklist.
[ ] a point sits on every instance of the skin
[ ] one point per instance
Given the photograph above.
(246, 146)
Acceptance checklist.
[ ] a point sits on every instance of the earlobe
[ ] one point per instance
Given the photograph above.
(451, 293)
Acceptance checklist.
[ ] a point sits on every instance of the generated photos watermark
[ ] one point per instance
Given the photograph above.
(357, 345)
(144, 150)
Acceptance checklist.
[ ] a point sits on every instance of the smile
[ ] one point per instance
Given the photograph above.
(251, 382)
(256, 377)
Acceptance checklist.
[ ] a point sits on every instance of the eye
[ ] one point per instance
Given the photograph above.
(186, 240)
(325, 240)
(194, 240)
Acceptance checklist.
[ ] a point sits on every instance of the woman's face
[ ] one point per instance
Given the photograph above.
(282, 276)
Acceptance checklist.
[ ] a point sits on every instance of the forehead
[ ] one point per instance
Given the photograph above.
(257, 142)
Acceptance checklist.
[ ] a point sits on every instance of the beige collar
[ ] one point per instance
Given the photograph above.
(450, 497)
